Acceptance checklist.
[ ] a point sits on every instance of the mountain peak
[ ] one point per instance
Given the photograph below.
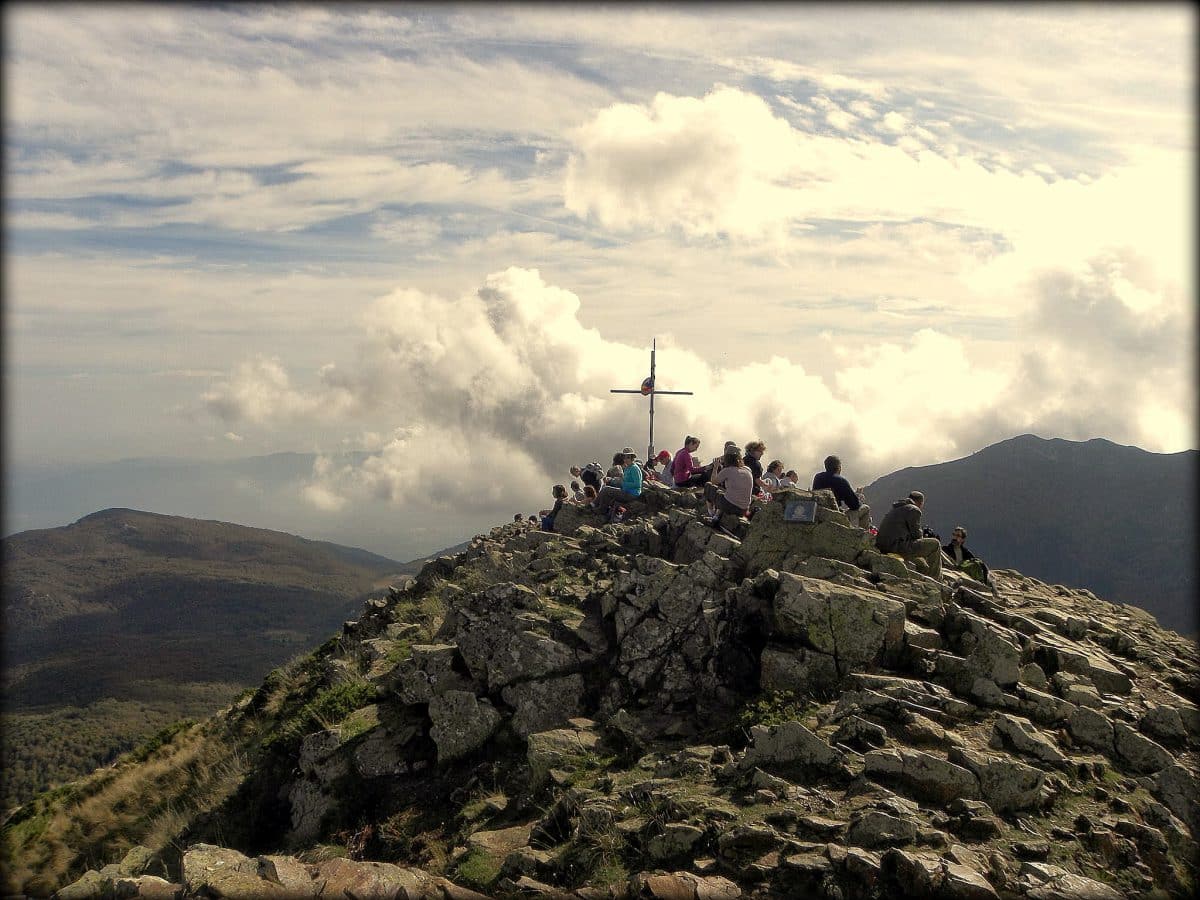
(662, 707)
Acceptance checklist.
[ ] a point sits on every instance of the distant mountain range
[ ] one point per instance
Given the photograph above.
(1117, 520)
(130, 620)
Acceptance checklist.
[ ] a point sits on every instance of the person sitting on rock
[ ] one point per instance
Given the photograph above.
(773, 478)
(629, 488)
(589, 494)
(650, 467)
(589, 474)
(518, 519)
(738, 484)
(576, 492)
(753, 460)
(963, 559)
(831, 479)
(548, 515)
(685, 471)
(616, 471)
(900, 532)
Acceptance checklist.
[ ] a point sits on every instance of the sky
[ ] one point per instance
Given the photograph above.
(442, 234)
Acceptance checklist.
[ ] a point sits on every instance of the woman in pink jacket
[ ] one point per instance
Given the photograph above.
(684, 469)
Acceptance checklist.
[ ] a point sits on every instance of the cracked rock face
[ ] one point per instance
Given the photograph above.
(777, 711)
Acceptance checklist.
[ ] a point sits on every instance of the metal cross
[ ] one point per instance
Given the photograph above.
(648, 390)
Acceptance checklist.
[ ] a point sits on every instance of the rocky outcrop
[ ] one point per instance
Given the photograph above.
(658, 708)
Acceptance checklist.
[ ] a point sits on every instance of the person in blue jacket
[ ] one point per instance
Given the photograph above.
(629, 489)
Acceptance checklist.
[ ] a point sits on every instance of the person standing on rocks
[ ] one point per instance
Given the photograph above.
(831, 479)
(900, 532)
(753, 460)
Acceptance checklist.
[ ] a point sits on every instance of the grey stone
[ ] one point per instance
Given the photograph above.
(462, 723)
(1006, 785)
(930, 776)
(788, 742)
(543, 705)
(1068, 886)
(218, 872)
(1023, 738)
(964, 883)
(852, 625)
(1137, 752)
(878, 829)
(796, 669)
(1091, 728)
(1164, 723)
(676, 840)
(557, 749)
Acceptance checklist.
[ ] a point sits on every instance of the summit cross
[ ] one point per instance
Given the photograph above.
(649, 390)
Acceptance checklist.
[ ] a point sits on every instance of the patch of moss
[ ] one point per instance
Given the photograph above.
(478, 869)
(773, 708)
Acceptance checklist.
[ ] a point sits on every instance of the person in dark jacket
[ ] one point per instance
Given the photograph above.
(959, 554)
(900, 532)
(831, 479)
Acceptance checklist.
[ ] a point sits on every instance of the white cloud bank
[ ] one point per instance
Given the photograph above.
(492, 395)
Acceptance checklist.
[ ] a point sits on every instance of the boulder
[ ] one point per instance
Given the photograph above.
(1068, 886)
(462, 723)
(342, 878)
(1137, 752)
(1021, 737)
(852, 625)
(878, 829)
(787, 743)
(210, 871)
(543, 705)
(796, 669)
(559, 748)
(429, 670)
(929, 776)
(1006, 785)
(1091, 729)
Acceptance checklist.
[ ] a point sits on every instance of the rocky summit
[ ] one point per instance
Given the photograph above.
(664, 709)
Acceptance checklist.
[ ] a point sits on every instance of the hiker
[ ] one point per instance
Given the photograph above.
(753, 460)
(963, 559)
(684, 470)
(900, 532)
(589, 474)
(589, 494)
(629, 488)
(548, 515)
(650, 468)
(576, 492)
(518, 519)
(616, 470)
(792, 476)
(738, 482)
(831, 479)
(774, 479)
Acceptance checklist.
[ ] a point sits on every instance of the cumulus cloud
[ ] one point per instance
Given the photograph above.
(500, 390)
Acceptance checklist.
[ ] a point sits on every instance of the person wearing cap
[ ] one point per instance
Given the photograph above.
(684, 469)
(900, 532)
(629, 488)
(650, 468)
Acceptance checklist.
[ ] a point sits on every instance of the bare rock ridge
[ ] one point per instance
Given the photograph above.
(659, 709)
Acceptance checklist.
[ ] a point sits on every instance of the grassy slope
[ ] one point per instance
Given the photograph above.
(126, 621)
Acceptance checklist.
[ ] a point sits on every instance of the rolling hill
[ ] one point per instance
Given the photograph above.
(1117, 520)
(126, 621)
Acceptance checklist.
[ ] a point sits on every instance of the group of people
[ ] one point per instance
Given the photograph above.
(730, 483)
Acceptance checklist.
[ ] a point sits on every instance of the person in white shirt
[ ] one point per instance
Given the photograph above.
(738, 482)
